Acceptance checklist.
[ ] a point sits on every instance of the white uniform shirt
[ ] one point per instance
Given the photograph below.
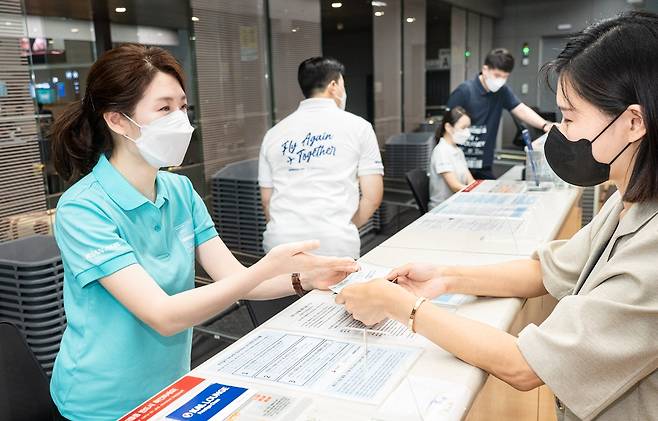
(312, 160)
(445, 158)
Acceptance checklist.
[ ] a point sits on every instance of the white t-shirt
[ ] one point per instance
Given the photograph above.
(312, 160)
(445, 158)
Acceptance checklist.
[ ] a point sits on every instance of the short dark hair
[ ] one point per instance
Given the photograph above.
(501, 59)
(612, 64)
(316, 73)
(452, 115)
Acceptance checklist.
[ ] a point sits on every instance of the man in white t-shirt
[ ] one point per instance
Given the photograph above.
(313, 164)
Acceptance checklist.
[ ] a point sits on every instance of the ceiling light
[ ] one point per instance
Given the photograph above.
(336, 5)
(120, 10)
(378, 13)
(378, 4)
(411, 20)
(295, 29)
(75, 30)
(195, 19)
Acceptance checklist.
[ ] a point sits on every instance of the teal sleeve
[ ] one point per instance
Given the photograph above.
(204, 227)
(90, 243)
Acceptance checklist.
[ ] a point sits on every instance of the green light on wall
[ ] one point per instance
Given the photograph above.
(467, 53)
(525, 50)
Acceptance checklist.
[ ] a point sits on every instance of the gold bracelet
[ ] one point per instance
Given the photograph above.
(411, 324)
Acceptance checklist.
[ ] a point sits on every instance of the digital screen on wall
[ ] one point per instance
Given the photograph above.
(45, 95)
(41, 50)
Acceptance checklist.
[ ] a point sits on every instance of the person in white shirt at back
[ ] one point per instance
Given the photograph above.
(449, 171)
(320, 170)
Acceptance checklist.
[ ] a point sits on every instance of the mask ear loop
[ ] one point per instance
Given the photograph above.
(135, 123)
(606, 127)
(619, 154)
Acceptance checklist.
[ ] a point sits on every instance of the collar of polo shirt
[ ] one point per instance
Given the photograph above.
(121, 191)
(317, 103)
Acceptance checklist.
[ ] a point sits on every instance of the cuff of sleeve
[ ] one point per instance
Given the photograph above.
(530, 345)
(370, 171)
(514, 105)
(546, 367)
(204, 235)
(265, 183)
(444, 169)
(95, 273)
(552, 288)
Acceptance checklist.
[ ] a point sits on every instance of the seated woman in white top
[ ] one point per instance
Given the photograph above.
(448, 169)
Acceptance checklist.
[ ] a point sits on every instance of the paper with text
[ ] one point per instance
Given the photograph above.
(325, 366)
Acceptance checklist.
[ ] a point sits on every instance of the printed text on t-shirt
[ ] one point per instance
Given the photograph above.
(311, 147)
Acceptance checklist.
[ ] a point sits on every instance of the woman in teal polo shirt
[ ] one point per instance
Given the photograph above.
(129, 235)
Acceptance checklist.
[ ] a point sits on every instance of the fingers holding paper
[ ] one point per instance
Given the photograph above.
(370, 302)
(325, 276)
(421, 279)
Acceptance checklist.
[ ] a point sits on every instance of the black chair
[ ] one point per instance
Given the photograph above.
(24, 387)
(419, 182)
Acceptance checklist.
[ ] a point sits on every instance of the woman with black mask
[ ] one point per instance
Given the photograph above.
(598, 350)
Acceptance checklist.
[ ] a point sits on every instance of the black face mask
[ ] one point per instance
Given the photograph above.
(573, 162)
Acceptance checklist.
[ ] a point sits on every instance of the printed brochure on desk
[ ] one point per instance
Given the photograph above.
(198, 398)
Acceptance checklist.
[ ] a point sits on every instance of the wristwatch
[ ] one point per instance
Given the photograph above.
(297, 284)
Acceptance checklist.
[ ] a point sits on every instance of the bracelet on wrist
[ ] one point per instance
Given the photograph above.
(297, 284)
(411, 324)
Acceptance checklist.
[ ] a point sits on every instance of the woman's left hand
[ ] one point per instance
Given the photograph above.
(323, 278)
(371, 302)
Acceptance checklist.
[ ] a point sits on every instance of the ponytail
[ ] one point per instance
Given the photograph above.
(78, 140)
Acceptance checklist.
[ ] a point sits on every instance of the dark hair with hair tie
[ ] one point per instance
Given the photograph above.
(116, 82)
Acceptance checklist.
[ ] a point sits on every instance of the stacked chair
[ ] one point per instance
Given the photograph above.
(407, 151)
(31, 294)
(237, 209)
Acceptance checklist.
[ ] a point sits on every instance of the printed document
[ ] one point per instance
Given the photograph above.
(332, 367)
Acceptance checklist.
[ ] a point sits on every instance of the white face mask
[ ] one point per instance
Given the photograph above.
(460, 136)
(164, 142)
(494, 83)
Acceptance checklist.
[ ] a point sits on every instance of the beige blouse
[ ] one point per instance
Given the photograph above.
(598, 350)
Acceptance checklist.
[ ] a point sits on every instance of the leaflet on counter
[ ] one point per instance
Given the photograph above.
(338, 368)
(490, 205)
(202, 398)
